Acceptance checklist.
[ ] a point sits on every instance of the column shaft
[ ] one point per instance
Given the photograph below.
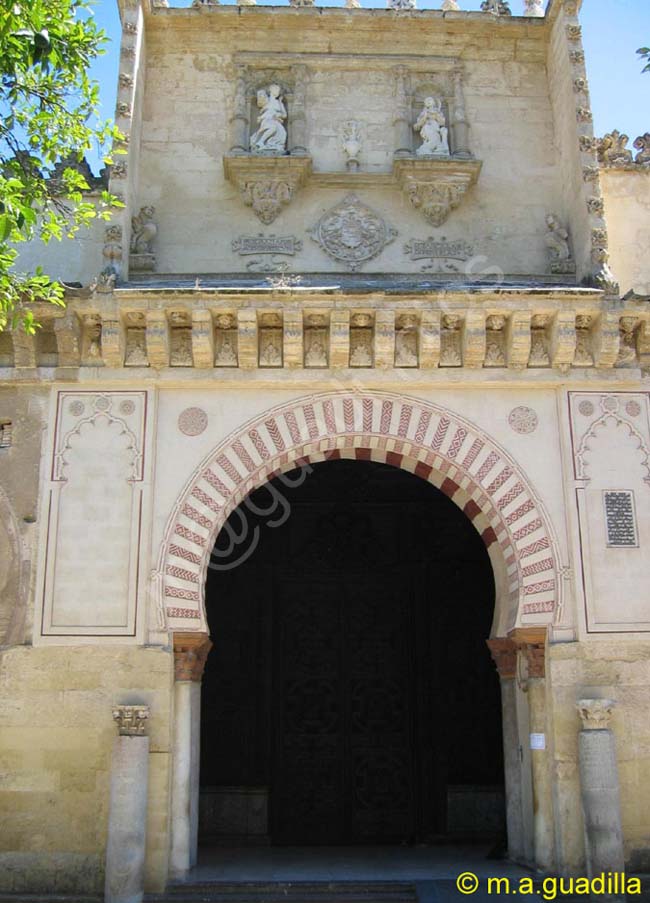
(127, 818)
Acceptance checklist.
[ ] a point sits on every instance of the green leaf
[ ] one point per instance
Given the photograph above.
(6, 225)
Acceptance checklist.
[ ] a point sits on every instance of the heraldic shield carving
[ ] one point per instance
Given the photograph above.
(352, 233)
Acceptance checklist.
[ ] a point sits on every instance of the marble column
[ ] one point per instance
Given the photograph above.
(504, 653)
(297, 113)
(127, 817)
(402, 119)
(190, 654)
(239, 120)
(531, 642)
(459, 124)
(601, 804)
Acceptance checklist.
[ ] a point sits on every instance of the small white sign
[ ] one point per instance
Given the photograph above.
(538, 741)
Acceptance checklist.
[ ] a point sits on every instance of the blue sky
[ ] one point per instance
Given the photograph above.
(612, 32)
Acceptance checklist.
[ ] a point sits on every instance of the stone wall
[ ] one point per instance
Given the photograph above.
(627, 207)
(23, 414)
(189, 97)
(57, 738)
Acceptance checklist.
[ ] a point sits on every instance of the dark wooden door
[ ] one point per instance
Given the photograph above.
(349, 676)
(344, 768)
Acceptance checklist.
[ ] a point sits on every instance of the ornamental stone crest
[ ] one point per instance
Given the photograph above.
(267, 198)
(435, 200)
(351, 233)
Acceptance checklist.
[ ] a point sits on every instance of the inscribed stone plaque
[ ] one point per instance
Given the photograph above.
(620, 519)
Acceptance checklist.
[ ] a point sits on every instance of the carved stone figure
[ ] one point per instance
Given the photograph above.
(351, 233)
(226, 347)
(271, 135)
(401, 4)
(406, 341)
(433, 131)
(351, 143)
(136, 348)
(613, 150)
(271, 348)
(450, 355)
(642, 144)
(496, 7)
(352, 4)
(534, 8)
(315, 348)
(627, 345)
(557, 242)
(583, 356)
(539, 356)
(495, 341)
(450, 6)
(143, 231)
(112, 249)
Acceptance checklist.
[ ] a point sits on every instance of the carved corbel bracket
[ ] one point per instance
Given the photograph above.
(435, 187)
(190, 655)
(267, 184)
(531, 642)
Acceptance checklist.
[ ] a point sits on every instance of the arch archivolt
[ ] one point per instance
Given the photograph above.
(426, 439)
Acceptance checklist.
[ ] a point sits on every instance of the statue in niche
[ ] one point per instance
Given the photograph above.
(431, 126)
(557, 242)
(271, 134)
(143, 231)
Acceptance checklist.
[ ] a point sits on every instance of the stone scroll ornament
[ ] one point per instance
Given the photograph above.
(351, 233)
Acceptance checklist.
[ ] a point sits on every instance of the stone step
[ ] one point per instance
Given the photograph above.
(288, 892)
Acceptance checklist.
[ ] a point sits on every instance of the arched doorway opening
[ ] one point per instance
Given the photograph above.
(349, 697)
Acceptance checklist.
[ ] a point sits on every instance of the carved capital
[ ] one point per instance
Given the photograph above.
(190, 655)
(531, 642)
(595, 714)
(504, 654)
(131, 719)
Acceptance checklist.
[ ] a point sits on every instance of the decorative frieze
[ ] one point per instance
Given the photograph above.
(373, 337)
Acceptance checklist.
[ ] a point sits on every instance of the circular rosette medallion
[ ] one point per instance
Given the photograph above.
(352, 233)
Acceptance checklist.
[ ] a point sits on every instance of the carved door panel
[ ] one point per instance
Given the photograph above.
(343, 768)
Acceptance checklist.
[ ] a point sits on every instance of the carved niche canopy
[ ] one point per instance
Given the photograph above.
(435, 187)
(267, 183)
